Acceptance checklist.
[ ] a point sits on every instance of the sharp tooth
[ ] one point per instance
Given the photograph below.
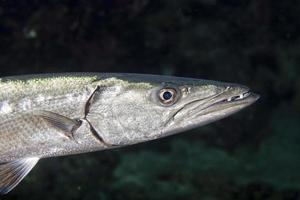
(241, 96)
(246, 94)
(229, 99)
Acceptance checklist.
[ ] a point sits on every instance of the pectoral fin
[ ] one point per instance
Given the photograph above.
(67, 125)
(12, 173)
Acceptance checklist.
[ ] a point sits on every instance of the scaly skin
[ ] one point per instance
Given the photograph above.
(22, 133)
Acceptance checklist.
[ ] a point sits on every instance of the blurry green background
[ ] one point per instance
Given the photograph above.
(254, 154)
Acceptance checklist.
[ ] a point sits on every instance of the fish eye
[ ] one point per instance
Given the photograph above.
(167, 96)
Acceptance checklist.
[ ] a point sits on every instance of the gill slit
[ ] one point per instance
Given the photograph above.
(94, 132)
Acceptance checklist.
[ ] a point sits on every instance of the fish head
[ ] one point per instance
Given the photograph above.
(141, 108)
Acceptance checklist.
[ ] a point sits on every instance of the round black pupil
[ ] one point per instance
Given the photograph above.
(167, 95)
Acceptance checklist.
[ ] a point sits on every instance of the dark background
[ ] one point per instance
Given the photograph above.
(254, 154)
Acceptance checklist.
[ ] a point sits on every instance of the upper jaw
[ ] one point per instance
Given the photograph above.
(235, 96)
(228, 101)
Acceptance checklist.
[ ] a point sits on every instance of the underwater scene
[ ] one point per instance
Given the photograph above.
(251, 155)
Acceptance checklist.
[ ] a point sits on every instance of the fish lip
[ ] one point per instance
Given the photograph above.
(244, 97)
(234, 97)
(223, 107)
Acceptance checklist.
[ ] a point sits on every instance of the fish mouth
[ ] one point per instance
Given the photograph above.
(203, 111)
(243, 98)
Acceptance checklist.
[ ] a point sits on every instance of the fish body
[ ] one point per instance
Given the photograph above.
(62, 114)
(24, 133)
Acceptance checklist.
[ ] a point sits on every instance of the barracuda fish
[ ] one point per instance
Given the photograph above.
(61, 114)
